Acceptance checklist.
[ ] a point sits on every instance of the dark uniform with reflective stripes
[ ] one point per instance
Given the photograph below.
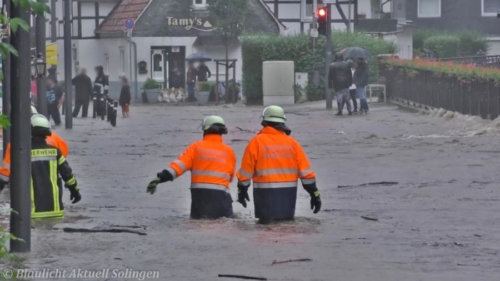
(47, 162)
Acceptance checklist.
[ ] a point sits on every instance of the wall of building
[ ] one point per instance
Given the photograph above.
(291, 13)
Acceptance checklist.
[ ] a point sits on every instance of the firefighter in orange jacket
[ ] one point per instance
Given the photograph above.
(212, 164)
(53, 140)
(275, 161)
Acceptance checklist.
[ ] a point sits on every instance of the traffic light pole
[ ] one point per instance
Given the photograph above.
(20, 178)
(328, 59)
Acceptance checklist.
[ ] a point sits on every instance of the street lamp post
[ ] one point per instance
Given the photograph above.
(20, 178)
(41, 83)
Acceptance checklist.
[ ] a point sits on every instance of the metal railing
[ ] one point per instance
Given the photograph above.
(488, 61)
(425, 89)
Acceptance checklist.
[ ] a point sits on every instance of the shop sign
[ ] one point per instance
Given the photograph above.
(191, 23)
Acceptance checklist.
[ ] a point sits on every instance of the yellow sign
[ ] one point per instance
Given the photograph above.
(51, 54)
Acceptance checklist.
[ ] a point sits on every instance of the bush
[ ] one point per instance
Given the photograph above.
(298, 48)
(471, 41)
(205, 86)
(151, 84)
(444, 46)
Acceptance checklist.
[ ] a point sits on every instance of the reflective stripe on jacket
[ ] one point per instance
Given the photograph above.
(211, 162)
(274, 160)
(53, 140)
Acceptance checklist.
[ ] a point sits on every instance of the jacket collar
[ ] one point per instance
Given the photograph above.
(271, 131)
(216, 138)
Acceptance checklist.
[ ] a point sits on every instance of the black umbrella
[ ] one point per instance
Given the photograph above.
(355, 53)
(198, 57)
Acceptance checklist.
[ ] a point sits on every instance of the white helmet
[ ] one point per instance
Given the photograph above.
(40, 121)
(274, 114)
(33, 110)
(209, 121)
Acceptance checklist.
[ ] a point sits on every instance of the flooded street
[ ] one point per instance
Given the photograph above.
(405, 197)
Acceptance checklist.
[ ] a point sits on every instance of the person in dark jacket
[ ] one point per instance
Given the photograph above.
(340, 80)
(52, 73)
(191, 81)
(83, 93)
(361, 81)
(203, 72)
(125, 97)
(101, 83)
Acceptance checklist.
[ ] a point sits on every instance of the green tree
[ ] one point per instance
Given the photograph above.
(228, 18)
(12, 25)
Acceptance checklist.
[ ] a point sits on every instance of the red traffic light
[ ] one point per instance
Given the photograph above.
(321, 12)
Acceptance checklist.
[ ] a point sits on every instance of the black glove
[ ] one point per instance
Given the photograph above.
(316, 202)
(243, 195)
(315, 198)
(161, 177)
(75, 195)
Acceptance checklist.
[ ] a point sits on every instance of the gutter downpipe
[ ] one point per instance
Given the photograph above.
(134, 68)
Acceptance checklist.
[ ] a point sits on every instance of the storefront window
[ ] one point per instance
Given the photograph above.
(157, 62)
(199, 3)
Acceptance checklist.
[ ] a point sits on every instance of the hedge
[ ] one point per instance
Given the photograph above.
(298, 48)
(444, 46)
(470, 42)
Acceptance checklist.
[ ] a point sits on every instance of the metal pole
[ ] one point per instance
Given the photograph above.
(315, 22)
(6, 86)
(20, 178)
(53, 21)
(40, 48)
(67, 64)
(328, 93)
(349, 17)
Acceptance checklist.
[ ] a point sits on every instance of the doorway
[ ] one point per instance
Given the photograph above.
(176, 66)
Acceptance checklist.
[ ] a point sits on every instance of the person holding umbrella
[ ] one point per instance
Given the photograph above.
(191, 81)
(361, 81)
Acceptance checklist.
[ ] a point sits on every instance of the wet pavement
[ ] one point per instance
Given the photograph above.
(434, 218)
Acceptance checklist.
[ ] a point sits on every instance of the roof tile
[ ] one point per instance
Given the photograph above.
(127, 9)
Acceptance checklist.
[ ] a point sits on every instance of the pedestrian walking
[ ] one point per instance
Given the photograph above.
(353, 92)
(339, 81)
(125, 97)
(275, 161)
(191, 81)
(361, 79)
(212, 164)
(83, 93)
(52, 73)
(54, 101)
(47, 162)
(203, 72)
(101, 83)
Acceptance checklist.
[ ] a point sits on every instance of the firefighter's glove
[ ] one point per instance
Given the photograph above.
(152, 186)
(315, 198)
(75, 195)
(161, 177)
(243, 195)
(315, 202)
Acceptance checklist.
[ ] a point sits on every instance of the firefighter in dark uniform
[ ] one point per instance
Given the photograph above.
(47, 162)
(100, 92)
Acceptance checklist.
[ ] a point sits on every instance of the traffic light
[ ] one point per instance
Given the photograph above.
(322, 15)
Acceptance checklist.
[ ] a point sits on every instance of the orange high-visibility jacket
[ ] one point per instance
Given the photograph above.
(211, 162)
(53, 140)
(274, 160)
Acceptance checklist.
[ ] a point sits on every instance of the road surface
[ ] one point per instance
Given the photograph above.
(437, 212)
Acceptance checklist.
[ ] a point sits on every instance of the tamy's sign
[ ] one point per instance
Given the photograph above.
(192, 23)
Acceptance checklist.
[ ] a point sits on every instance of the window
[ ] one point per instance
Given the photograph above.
(307, 8)
(490, 7)
(200, 3)
(122, 60)
(429, 8)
